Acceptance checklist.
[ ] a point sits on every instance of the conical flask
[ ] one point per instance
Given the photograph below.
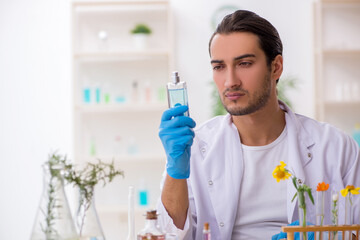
(53, 218)
(87, 220)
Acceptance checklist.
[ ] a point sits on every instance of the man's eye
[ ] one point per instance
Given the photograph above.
(217, 67)
(245, 64)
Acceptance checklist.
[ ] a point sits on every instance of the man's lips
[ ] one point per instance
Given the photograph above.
(234, 95)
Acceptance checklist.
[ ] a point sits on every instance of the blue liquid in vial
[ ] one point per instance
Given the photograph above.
(86, 95)
(178, 96)
(97, 95)
(143, 197)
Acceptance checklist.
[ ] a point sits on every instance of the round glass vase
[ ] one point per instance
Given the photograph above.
(302, 213)
(53, 218)
(334, 213)
(87, 220)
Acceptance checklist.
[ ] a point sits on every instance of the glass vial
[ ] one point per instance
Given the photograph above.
(143, 193)
(334, 211)
(320, 205)
(151, 230)
(53, 218)
(177, 92)
(320, 213)
(206, 231)
(131, 217)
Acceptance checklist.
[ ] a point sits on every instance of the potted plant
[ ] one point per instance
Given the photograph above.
(140, 34)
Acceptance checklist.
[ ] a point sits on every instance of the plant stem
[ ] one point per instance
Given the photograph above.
(304, 223)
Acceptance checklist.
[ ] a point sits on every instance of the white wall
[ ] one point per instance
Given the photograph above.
(35, 84)
(35, 103)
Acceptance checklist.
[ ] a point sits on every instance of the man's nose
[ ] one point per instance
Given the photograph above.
(232, 79)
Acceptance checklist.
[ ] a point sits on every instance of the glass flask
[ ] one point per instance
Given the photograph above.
(151, 230)
(87, 220)
(53, 218)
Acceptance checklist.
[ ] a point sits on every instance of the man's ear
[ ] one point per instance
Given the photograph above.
(276, 67)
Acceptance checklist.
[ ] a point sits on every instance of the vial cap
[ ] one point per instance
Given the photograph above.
(151, 214)
(175, 77)
(206, 226)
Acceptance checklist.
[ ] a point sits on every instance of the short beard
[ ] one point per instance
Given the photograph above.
(258, 100)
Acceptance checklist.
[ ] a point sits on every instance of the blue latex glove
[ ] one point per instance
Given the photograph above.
(283, 235)
(177, 136)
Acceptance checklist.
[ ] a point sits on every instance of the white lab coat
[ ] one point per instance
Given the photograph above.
(317, 152)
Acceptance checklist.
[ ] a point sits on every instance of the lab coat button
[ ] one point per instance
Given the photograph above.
(210, 182)
(203, 150)
(309, 155)
(221, 224)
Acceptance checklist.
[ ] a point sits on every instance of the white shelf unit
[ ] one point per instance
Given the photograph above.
(337, 62)
(119, 96)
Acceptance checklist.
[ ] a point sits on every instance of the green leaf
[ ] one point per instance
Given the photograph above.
(294, 182)
(301, 197)
(294, 197)
(308, 190)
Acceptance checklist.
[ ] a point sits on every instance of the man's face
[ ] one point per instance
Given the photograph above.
(240, 72)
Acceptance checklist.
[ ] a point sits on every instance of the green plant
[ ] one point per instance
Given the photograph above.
(85, 178)
(141, 28)
(282, 173)
(284, 84)
(55, 177)
(217, 106)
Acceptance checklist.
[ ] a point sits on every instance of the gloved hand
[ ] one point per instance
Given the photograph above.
(176, 135)
(283, 235)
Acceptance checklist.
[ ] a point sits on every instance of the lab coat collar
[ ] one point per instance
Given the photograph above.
(300, 154)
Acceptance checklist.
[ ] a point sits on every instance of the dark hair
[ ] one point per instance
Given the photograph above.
(246, 21)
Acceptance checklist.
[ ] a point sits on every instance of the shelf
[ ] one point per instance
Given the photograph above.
(122, 108)
(340, 51)
(126, 117)
(131, 55)
(127, 158)
(340, 1)
(342, 103)
(96, 6)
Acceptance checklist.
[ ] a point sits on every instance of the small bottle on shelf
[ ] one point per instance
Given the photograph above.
(86, 92)
(206, 231)
(151, 230)
(135, 95)
(97, 92)
(147, 92)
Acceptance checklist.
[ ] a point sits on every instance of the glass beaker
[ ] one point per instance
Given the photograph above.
(87, 220)
(53, 218)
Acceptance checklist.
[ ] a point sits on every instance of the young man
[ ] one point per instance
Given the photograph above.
(222, 173)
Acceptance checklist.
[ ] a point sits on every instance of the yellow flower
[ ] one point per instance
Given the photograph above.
(280, 172)
(349, 189)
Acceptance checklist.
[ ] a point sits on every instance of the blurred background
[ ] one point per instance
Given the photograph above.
(75, 78)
